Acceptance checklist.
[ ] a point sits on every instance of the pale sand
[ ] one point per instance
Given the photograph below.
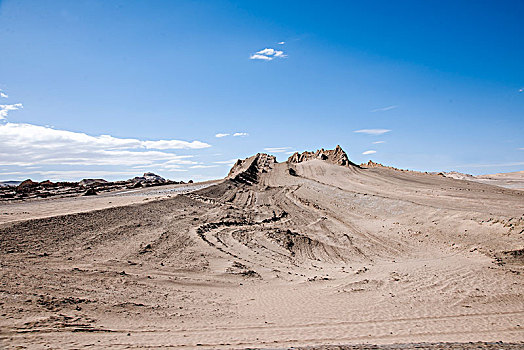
(513, 180)
(334, 255)
(41, 208)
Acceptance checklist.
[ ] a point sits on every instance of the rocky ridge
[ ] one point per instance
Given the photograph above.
(335, 156)
(29, 189)
(248, 170)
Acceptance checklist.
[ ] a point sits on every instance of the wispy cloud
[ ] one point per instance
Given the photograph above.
(170, 165)
(201, 166)
(377, 142)
(488, 165)
(369, 152)
(22, 134)
(267, 54)
(172, 144)
(383, 109)
(372, 131)
(227, 162)
(277, 149)
(5, 109)
(26, 145)
(3, 94)
(236, 134)
(281, 43)
(260, 57)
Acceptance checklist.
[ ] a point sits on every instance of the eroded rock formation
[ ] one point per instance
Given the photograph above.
(335, 156)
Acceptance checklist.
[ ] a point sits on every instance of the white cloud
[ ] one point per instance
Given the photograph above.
(26, 145)
(377, 142)
(167, 168)
(276, 149)
(203, 166)
(383, 109)
(3, 94)
(235, 134)
(281, 43)
(179, 161)
(5, 109)
(267, 54)
(260, 57)
(227, 162)
(174, 144)
(373, 131)
(48, 138)
(369, 152)
(291, 152)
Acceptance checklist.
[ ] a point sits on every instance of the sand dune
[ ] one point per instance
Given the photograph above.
(308, 252)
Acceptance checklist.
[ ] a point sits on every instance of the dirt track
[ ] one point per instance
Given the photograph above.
(328, 255)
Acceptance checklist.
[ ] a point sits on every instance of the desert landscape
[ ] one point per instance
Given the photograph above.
(313, 252)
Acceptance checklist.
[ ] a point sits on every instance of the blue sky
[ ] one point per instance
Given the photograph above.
(425, 85)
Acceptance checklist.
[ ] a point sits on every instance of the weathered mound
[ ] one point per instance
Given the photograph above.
(29, 189)
(335, 156)
(148, 178)
(248, 170)
(26, 186)
(372, 164)
(91, 182)
(90, 192)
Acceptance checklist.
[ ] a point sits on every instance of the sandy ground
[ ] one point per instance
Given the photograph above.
(513, 180)
(41, 208)
(332, 255)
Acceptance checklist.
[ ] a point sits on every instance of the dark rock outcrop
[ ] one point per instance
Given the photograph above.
(149, 178)
(248, 170)
(26, 186)
(91, 182)
(29, 189)
(90, 192)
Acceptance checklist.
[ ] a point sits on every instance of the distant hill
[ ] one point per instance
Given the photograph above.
(513, 180)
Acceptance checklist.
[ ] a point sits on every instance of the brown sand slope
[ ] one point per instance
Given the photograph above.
(300, 253)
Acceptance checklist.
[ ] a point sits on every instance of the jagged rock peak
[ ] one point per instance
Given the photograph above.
(335, 156)
(372, 164)
(248, 170)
